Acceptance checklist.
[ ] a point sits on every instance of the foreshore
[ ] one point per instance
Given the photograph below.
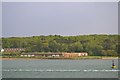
(104, 58)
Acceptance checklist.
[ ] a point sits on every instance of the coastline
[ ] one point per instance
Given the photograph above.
(86, 58)
(19, 59)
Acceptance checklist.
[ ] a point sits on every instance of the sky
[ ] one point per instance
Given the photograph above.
(21, 19)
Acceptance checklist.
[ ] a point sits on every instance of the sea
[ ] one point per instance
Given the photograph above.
(37, 68)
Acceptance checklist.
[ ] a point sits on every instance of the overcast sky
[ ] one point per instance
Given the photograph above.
(61, 18)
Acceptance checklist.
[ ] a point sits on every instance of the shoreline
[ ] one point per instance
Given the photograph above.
(102, 58)
(19, 59)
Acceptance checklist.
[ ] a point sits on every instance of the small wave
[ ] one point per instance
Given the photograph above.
(50, 70)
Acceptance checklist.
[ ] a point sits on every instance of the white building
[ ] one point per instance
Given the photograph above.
(2, 50)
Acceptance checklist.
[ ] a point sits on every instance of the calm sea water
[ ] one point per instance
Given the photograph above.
(58, 69)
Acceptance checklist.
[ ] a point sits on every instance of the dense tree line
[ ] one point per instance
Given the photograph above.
(102, 45)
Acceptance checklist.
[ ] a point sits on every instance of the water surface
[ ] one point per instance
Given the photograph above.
(59, 69)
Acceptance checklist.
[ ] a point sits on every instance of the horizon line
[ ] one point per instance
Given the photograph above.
(55, 35)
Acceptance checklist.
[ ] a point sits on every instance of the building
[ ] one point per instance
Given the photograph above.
(83, 54)
(41, 54)
(50, 54)
(13, 49)
(38, 54)
(2, 50)
(67, 55)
